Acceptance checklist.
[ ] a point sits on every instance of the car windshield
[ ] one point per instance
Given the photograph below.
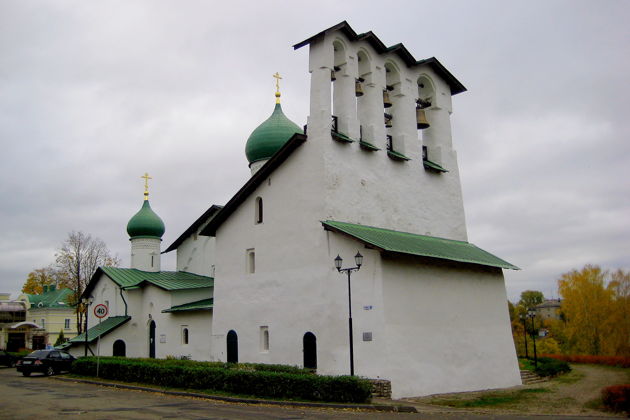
(39, 353)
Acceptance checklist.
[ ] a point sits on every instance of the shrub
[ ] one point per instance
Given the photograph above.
(617, 397)
(551, 367)
(254, 380)
(618, 361)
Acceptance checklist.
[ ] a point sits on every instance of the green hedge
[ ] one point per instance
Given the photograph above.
(551, 367)
(253, 380)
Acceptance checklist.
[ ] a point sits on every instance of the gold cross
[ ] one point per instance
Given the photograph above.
(277, 77)
(146, 185)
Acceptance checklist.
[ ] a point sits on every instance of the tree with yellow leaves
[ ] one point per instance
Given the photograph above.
(594, 311)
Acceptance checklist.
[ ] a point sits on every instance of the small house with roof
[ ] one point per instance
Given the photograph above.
(373, 173)
(53, 311)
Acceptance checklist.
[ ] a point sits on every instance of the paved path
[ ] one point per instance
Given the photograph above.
(39, 397)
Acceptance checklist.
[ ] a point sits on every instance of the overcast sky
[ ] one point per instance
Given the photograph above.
(94, 94)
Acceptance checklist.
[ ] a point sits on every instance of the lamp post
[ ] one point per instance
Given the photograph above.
(524, 320)
(87, 301)
(358, 259)
(531, 313)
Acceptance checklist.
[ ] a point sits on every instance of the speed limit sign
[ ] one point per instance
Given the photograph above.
(100, 310)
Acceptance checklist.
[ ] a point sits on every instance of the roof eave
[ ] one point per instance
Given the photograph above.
(258, 178)
(399, 49)
(196, 224)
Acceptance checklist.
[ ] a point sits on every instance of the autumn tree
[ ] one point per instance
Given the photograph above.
(618, 342)
(586, 306)
(531, 298)
(77, 259)
(40, 277)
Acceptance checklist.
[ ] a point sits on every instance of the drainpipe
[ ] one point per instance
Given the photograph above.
(123, 298)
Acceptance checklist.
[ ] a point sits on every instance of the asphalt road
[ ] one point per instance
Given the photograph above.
(39, 397)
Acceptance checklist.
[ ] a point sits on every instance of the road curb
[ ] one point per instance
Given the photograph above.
(253, 401)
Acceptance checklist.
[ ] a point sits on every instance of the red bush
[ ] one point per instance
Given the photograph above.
(617, 397)
(618, 361)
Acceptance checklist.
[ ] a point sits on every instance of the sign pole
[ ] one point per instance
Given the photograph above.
(100, 311)
(98, 349)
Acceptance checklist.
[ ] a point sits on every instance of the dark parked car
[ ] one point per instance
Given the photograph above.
(48, 362)
(7, 359)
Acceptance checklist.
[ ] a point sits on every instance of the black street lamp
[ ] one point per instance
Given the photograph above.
(358, 259)
(86, 303)
(524, 320)
(531, 313)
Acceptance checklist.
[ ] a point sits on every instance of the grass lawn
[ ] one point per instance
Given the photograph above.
(577, 392)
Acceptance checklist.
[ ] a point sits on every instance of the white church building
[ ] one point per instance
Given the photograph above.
(373, 172)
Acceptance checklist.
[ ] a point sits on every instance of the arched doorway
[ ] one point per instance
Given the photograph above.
(152, 339)
(120, 349)
(232, 347)
(309, 347)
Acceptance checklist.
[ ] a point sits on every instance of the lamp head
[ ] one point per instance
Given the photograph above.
(338, 262)
(358, 259)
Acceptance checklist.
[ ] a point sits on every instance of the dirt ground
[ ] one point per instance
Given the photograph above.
(575, 393)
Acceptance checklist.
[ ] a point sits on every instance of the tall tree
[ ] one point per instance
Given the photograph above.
(77, 259)
(618, 342)
(586, 306)
(531, 298)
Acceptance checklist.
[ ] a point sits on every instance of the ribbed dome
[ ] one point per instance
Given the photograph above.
(270, 136)
(145, 223)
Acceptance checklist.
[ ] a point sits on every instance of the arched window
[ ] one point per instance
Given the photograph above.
(251, 260)
(309, 348)
(264, 339)
(185, 335)
(120, 349)
(232, 347)
(259, 210)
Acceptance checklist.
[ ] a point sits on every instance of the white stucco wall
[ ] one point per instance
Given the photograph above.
(145, 254)
(196, 255)
(447, 328)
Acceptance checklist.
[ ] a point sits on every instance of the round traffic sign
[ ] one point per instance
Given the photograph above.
(100, 310)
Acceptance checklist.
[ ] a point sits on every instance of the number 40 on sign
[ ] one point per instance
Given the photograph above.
(100, 311)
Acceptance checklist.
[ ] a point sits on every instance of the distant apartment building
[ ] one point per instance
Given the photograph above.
(549, 309)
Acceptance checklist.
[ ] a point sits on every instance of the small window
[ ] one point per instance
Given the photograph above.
(184, 335)
(264, 339)
(43, 323)
(251, 261)
(66, 324)
(259, 210)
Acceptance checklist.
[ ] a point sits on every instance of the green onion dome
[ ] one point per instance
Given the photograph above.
(145, 223)
(270, 136)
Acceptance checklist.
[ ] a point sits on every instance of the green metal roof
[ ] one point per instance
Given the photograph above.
(368, 146)
(52, 299)
(421, 245)
(270, 136)
(200, 305)
(341, 137)
(397, 156)
(129, 278)
(145, 223)
(432, 165)
(100, 329)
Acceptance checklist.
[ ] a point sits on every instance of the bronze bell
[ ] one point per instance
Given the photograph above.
(332, 76)
(386, 101)
(388, 120)
(421, 119)
(358, 88)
